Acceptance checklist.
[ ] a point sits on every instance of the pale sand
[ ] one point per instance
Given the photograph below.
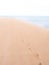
(23, 43)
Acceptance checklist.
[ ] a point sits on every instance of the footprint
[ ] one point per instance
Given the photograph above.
(40, 63)
(37, 56)
(34, 57)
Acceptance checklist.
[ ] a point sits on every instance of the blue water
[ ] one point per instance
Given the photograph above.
(38, 20)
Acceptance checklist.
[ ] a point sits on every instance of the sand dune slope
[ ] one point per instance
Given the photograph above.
(23, 44)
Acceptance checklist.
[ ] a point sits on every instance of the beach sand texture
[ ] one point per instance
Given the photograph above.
(22, 43)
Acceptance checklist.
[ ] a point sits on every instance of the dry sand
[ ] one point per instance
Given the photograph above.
(22, 43)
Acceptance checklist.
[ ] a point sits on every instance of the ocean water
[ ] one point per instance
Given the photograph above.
(38, 20)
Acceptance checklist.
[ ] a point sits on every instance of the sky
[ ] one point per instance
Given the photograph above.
(24, 7)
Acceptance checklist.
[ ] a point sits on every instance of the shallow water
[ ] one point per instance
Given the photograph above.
(39, 20)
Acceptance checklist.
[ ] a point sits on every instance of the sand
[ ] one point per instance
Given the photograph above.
(22, 43)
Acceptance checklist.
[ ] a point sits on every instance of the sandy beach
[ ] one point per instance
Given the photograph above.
(22, 43)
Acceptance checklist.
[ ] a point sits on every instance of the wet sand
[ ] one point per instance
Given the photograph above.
(22, 43)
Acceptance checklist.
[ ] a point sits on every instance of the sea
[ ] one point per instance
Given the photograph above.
(38, 20)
